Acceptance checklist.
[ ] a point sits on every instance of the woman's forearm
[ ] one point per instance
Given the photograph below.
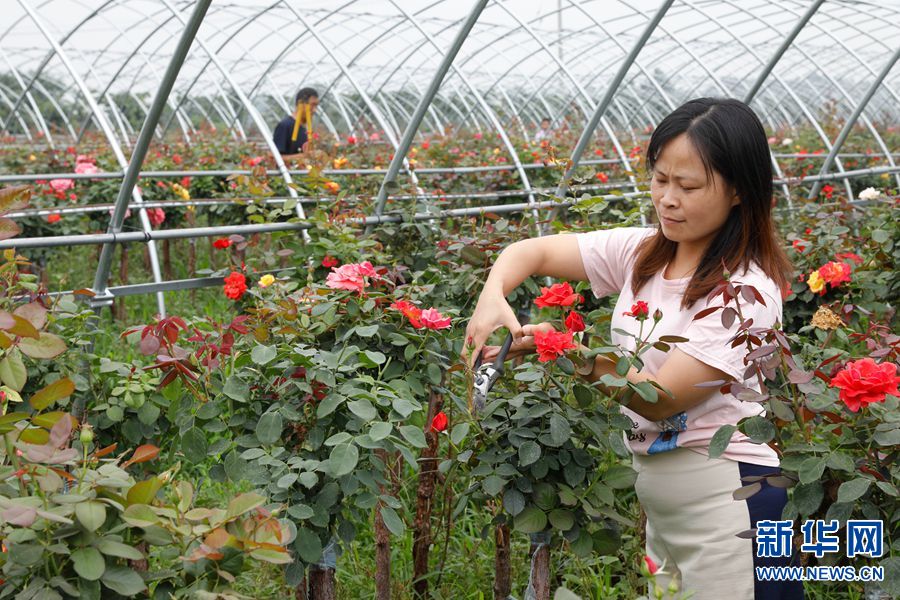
(516, 263)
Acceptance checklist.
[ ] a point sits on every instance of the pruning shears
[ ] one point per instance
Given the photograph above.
(487, 375)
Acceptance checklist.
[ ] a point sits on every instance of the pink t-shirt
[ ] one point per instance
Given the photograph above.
(609, 257)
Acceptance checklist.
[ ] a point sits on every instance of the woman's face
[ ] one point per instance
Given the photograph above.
(691, 208)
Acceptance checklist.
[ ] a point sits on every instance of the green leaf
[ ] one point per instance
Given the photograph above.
(853, 489)
(562, 519)
(12, 370)
(363, 409)
(91, 515)
(759, 429)
(370, 358)
(392, 521)
(118, 549)
(530, 520)
(720, 440)
(560, 431)
(123, 580)
(194, 445)
(366, 331)
(308, 545)
(45, 346)
(414, 435)
(459, 433)
(88, 563)
(492, 485)
(59, 389)
(812, 468)
(269, 428)
(513, 501)
(343, 459)
(236, 389)
(880, 236)
(243, 503)
(262, 355)
(140, 515)
(807, 498)
(620, 477)
(380, 430)
(144, 492)
(529, 453)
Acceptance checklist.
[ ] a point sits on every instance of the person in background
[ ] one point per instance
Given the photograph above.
(544, 132)
(292, 132)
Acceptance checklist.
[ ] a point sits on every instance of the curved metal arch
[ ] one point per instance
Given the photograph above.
(275, 62)
(104, 126)
(136, 50)
(866, 121)
(523, 176)
(248, 52)
(777, 78)
(41, 123)
(251, 109)
(6, 98)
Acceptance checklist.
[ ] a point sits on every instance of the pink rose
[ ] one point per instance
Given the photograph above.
(432, 319)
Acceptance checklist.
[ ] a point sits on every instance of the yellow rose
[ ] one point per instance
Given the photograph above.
(266, 280)
(815, 282)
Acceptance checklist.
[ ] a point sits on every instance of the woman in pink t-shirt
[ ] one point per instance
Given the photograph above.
(712, 191)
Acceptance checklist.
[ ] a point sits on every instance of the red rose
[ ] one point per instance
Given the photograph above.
(639, 310)
(864, 381)
(330, 261)
(574, 322)
(553, 344)
(221, 243)
(439, 422)
(558, 294)
(410, 311)
(53, 218)
(827, 190)
(603, 177)
(851, 256)
(651, 566)
(351, 139)
(835, 273)
(235, 285)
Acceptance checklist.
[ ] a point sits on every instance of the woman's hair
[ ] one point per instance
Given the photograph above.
(732, 142)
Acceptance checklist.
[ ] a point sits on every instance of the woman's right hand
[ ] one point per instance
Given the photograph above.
(491, 312)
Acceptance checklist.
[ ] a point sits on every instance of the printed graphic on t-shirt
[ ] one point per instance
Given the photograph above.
(668, 437)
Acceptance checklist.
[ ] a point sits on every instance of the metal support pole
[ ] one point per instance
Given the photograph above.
(785, 44)
(140, 150)
(390, 177)
(588, 131)
(848, 126)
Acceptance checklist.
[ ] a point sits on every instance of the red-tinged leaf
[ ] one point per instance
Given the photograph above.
(6, 320)
(761, 352)
(34, 313)
(709, 384)
(799, 377)
(14, 198)
(218, 538)
(833, 417)
(85, 292)
(822, 376)
(746, 491)
(5, 342)
(829, 360)
(880, 352)
(706, 312)
(187, 372)
(747, 324)
(149, 345)
(23, 327)
(142, 454)
(144, 492)
(59, 389)
(750, 371)
(747, 294)
(758, 296)
(756, 341)
(739, 340)
(9, 228)
(105, 451)
(728, 317)
(169, 378)
(47, 345)
(64, 474)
